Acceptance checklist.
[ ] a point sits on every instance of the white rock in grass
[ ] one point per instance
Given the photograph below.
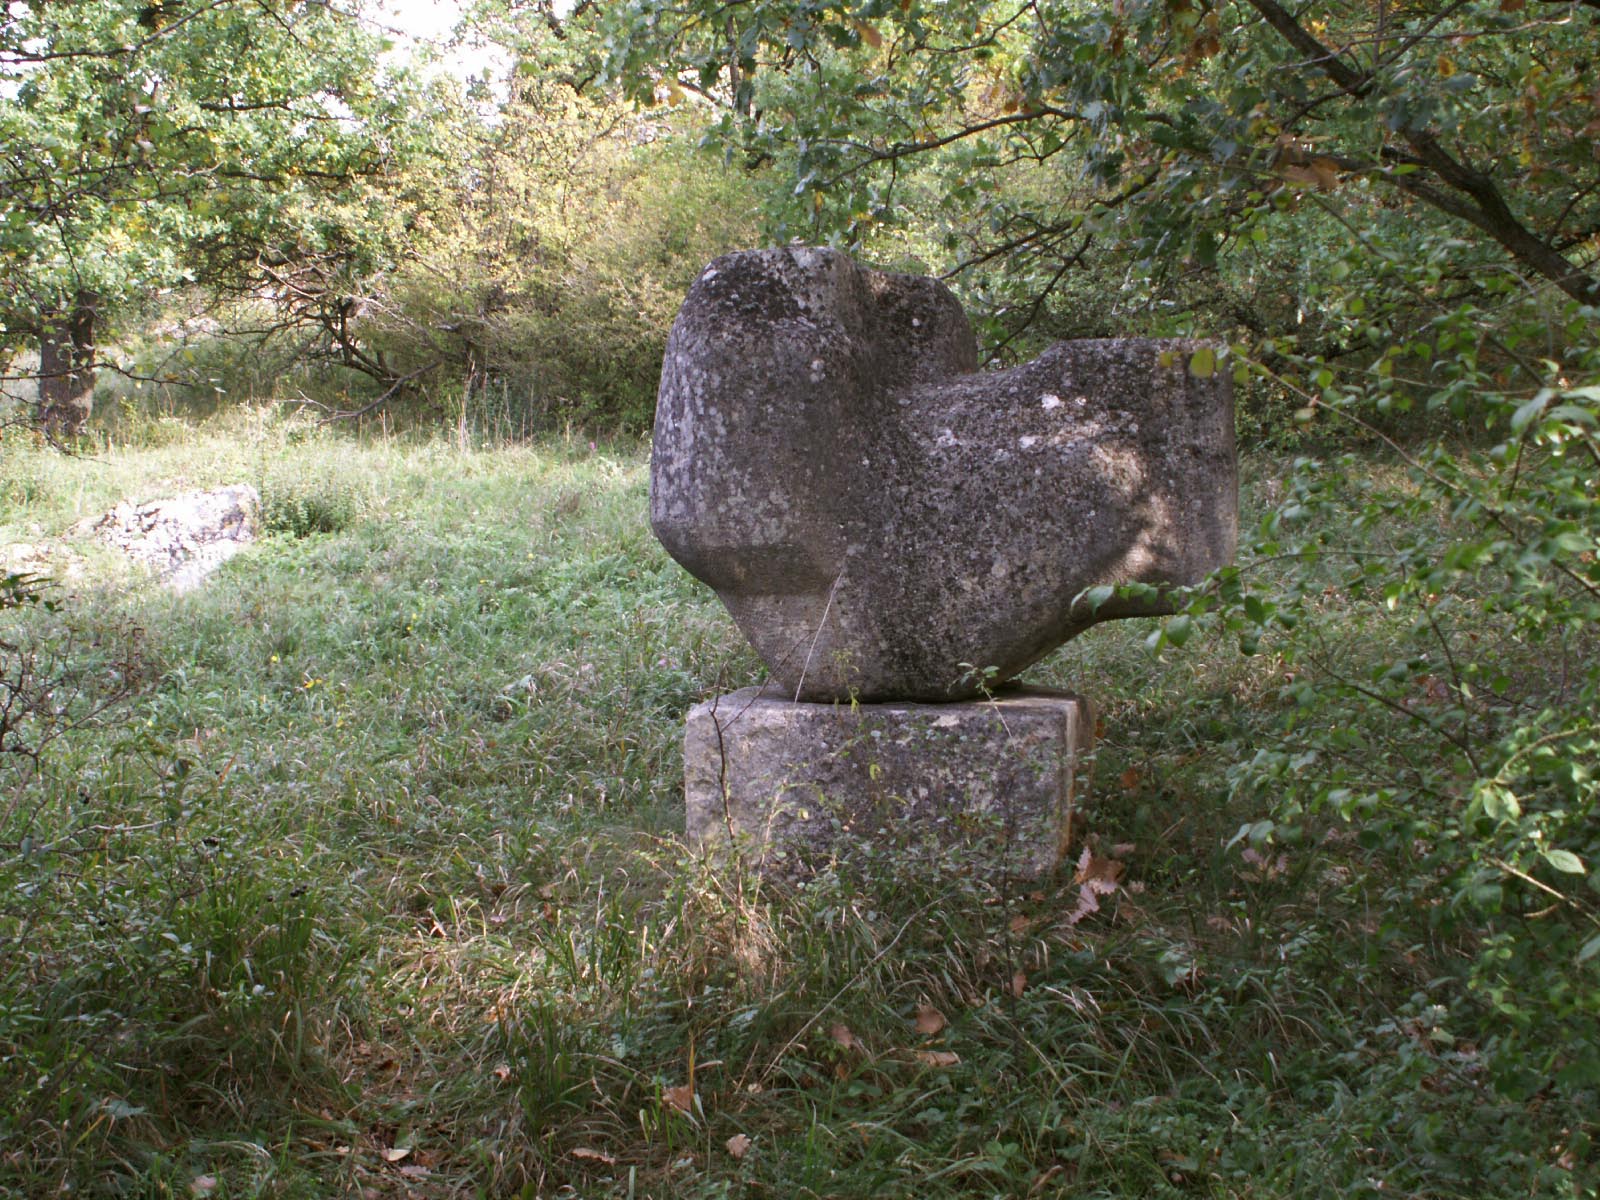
(184, 538)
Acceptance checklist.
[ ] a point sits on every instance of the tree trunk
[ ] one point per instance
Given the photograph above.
(66, 367)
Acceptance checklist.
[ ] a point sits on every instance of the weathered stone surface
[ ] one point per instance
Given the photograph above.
(185, 538)
(879, 517)
(987, 781)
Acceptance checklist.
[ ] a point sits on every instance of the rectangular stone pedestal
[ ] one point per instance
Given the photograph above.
(784, 784)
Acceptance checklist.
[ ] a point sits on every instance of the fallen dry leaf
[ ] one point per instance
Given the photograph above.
(938, 1058)
(1093, 868)
(1019, 983)
(841, 1034)
(599, 1156)
(1088, 903)
(1096, 876)
(415, 1171)
(1129, 779)
(680, 1097)
(202, 1185)
(1020, 923)
(738, 1145)
(395, 1153)
(929, 1020)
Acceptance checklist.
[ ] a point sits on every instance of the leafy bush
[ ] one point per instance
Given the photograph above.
(1434, 630)
(303, 503)
(542, 296)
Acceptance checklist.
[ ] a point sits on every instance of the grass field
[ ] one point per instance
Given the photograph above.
(372, 886)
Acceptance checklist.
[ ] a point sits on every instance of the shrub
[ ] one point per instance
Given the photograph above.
(542, 297)
(300, 504)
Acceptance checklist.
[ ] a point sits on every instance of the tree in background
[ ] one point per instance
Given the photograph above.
(542, 282)
(241, 145)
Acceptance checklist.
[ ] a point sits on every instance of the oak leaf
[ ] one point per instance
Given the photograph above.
(929, 1020)
(1096, 876)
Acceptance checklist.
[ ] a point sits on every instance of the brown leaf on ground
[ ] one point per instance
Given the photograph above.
(395, 1153)
(738, 1145)
(1088, 904)
(599, 1156)
(938, 1058)
(1020, 923)
(1096, 876)
(680, 1097)
(929, 1020)
(1019, 983)
(1129, 779)
(842, 1036)
(1096, 869)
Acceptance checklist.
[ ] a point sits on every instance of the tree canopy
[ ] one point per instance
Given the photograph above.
(1172, 126)
(234, 143)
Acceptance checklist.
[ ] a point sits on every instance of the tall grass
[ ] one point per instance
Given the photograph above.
(376, 887)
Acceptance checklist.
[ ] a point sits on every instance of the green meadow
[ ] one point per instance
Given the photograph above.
(358, 872)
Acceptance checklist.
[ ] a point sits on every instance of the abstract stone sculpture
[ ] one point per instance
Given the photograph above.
(883, 521)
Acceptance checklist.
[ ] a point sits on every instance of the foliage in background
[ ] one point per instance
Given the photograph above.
(551, 273)
(244, 146)
(1155, 167)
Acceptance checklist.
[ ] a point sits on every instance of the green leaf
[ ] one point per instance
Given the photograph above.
(1572, 413)
(1564, 860)
(1499, 804)
(1095, 597)
(1528, 412)
(1203, 363)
